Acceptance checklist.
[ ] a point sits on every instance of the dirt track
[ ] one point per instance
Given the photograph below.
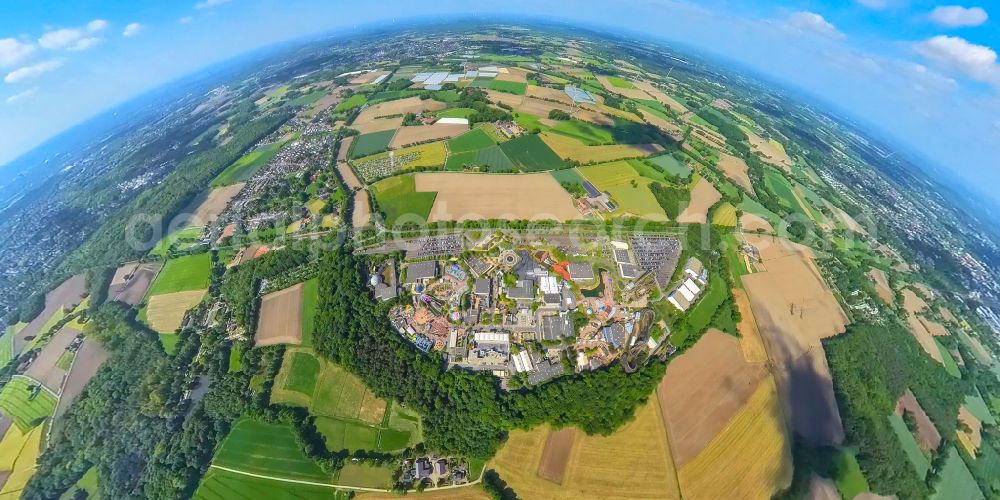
(280, 317)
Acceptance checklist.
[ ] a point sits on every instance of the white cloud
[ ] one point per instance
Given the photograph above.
(954, 16)
(85, 43)
(874, 4)
(813, 22)
(208, 4)
(132, 29)
(21, 96)
(926, 79)
(97, 25)
(185, 20)
(953, 53)
(12, 51)
(60, 39)
(32, 71)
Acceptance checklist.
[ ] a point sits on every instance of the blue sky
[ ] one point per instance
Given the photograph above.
(923, 72)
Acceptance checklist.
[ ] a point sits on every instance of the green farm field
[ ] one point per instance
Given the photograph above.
(310, 295)
(367, 144)
(244, 168)
(190, 272)
(620, 82)
(518, 88)
(780, 186)
(671, 165)
(267, 449)
(176, 240)
(849, 479)
(956, 480)
(456, 113)
(220, 484)
(531, 154)
(472, 140)
(495, 160)
(585, 132)
(910, 446)
(26, 411)
(396, 198)
(352, 102)
(617, 178)
(700, 316)
(458, 161)
(307, 99)
(365, 476)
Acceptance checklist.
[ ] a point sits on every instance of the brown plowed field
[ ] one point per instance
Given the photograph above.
(425, 133)
(204, 209)
(703, 196)
(555, 456)
(347, 174)
(133, 290)
(633, 93)
(512, 100)
(657, 94)
(362, 214)
(539, 107)
(345, 147)
(68, 294)
(88, 360)
(736, 170)
(750, 222)
(927, 435)
(397, 107)
(882, 286)
(280, 317)
(702, 391)
(750, 340)
(549, 93)
(973, 439)
(378, 125)
(594, 117)
(43, 368)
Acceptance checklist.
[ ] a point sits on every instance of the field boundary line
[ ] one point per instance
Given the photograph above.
(335, 486)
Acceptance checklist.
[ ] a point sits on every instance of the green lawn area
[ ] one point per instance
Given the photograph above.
(472, 140)
(404, 422)
(585, 132)
(310, 295)
(950, 365)
(986, 466)
(849, 478)
(307, 99)
(65, 360)
(956, 480)
(910, 446)
(518, 88)
(17, 403)
(169, 341)
(7, 346)
(235, 359)
(190, 272)
(495, 160)
(620, 82)
(700, 316)
(341, 434)
(737, 266)
(365, 476)
(224, 485)
(671, 165)
(87, 483)
(456, 113)
(176, 240)
(268, 449)
(978, 408)
(302, 377)
(399, 202)
(367, 144)
(352, 102)
(752, 206)
(392, 95)
(529, 122)
(780, 186)
(617, 178)
(446, 96)
(457, 161)
(244, 168)
(531, 154)
(648, 171)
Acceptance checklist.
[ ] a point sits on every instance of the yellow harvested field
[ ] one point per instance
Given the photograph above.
(736, 170)
(936, 329)
(750, 222)
(512, 75)
(549, 94)
(423, 133)
(912, 302)
(398, 107)
(795, 310)
(323, 104)
(708, 136)
(751, 342)
(664, 99)
(973, 439)
(362, 214)
(165, 312)
(703, 390)
(204, 209)
(668, 127)
(13, 442)
(280, 319)
(512, 100)
(378, 125)
(471, 196)
(427, 155)
(703, 196)
(947, 315)
(924, 337)
(750, 457)
(569, 148)
(25, 464)
(637, 455)
(724, 215)
(769, 152)
(594, 117)
(882, 286)
(372, 408)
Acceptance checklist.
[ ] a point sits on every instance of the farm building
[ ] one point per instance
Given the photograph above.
(421, 272)
(580, 271)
